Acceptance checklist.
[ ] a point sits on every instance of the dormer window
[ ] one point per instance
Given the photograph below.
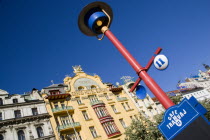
(54, 92)
(15, 100)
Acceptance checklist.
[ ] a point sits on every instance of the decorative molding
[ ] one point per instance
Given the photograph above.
(20, 128)
(22, 104)
(10, 122)
(38, 124)
(82, 107)
(89, 91)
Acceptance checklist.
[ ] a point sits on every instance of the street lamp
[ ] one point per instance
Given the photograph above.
(94, 20)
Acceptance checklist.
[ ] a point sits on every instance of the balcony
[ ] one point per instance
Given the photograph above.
(69, 127)
(96, 102)
(120, 99)
(60, 110)
(57, 96)
(115, 134)
(105, 119)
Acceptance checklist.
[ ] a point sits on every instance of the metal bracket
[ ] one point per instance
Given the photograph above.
(149, 64)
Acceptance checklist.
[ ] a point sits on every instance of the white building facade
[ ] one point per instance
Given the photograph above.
(146, 106)
(197, 86)
(24, 117)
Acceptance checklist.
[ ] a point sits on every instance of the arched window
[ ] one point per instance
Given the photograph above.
(21, 135)
(81, 88)
(1, 101)
(40, 132)
(1, 137)
(93, 87)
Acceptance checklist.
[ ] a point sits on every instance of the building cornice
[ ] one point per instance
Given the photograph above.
(22, 104)
(45, 137)
(23, 119)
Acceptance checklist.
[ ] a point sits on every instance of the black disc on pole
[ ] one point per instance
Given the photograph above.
(86, 12)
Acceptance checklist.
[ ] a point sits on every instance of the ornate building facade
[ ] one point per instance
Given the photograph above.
(84, 108)
(24, 117)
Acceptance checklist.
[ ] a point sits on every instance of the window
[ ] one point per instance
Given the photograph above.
(1, 137)
(79, 101)
(93, 131)
(55, 104)
(93, 87)
(34, 111)
(114, 109)
(65, 120)
(40, 132)
(93, 98)
(21, 135)
(1, 117)
(17, 113)
(63, 105)
(127, 105)
(110, 127)
(1, 101)
(73, 136)
(124, 106)
(123, 123)
(15, 100)
(81, 88)
(54, 92)
(101, 112)
(85, 115)
(107, 97)
(56, 120)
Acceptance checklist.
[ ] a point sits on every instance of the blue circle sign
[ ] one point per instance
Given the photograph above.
(141, 92)
(161, 62)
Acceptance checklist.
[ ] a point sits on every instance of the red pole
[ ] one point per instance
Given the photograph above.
(150, 83)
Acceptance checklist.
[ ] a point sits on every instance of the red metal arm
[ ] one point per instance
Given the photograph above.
(150, 83)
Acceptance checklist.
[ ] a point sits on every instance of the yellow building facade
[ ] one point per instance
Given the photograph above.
(84, 108)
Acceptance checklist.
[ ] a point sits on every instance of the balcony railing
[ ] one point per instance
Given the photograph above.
(59, 109)
(122, 99)
(96, 102)
(69, 126)
(115, 134)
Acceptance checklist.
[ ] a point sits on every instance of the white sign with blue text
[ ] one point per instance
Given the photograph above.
(176, 118)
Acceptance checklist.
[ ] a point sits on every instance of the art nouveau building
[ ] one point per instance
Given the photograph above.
(24, 117)
(84, 108)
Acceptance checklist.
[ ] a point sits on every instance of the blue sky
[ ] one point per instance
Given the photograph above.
(40, 41)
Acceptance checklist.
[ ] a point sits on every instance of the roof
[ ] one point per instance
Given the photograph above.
(3, 92)
(56, 86)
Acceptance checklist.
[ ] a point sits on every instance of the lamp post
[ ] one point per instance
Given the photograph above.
(94, 20)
